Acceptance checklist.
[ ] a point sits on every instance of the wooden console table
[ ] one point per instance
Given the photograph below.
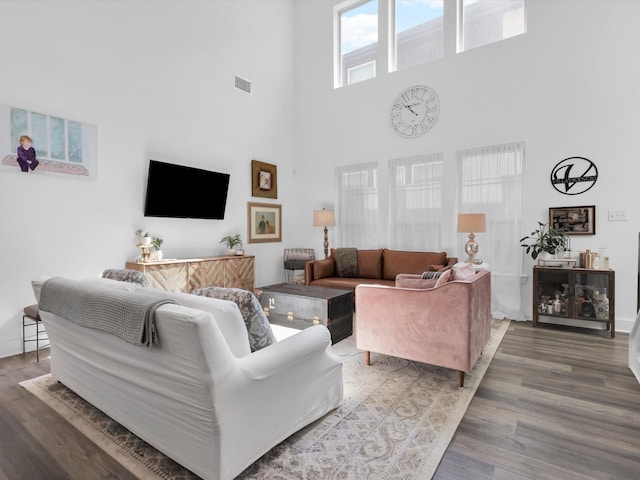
(185, 275)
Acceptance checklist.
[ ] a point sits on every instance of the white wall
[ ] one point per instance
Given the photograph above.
(156, 78)
(568, 87)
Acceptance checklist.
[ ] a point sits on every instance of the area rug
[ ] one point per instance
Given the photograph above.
(395, 422)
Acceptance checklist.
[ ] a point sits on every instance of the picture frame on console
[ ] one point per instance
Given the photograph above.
(264, 222)
(573, 220)
(264, 179)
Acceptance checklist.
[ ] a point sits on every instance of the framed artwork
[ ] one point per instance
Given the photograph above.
(573, 220)
(264, 222)
(47, 144)
(264, 179)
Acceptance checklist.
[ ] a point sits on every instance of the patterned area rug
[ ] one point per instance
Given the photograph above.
(395, 422)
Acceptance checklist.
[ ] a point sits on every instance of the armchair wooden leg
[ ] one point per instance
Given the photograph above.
(460, 378)
(367, 357)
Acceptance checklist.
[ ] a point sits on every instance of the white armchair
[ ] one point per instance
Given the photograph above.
(198, 395)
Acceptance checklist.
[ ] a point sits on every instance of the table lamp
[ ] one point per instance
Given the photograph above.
(469, 223)
(324, 218)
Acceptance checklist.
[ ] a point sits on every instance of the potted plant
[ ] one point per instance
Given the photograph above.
(543, 239)
(234, 244)
(156, 244)
(143, 237)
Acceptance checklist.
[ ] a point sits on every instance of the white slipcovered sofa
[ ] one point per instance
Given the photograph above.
(199, 395)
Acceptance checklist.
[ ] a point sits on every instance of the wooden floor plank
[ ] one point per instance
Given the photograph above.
(555, 403)
(574, 403)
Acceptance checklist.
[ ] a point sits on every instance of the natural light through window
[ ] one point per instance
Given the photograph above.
(358, 42)
(487, 21)
(418, 36)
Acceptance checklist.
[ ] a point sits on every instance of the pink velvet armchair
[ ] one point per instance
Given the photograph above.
(447, 325)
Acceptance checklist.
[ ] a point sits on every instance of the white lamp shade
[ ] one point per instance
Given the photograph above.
(472, 222)
(323, 218)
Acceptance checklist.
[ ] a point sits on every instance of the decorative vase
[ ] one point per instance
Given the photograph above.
(158, 255)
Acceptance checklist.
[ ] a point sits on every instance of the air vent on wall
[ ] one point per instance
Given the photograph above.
(243, 84)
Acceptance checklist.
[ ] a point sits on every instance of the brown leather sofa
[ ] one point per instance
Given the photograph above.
(375, 267)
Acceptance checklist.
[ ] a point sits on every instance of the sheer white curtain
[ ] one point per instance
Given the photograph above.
(415, 202)
(490, 182)
(357, 206)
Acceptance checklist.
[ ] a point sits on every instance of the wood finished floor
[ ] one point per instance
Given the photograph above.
(555, 403)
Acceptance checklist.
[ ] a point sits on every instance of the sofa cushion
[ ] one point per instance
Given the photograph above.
(370, 263)
(324, 268)
(396, 262)
(444, 278)
(347, 262)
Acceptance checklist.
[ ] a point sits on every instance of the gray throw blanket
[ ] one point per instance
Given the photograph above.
(128, 315)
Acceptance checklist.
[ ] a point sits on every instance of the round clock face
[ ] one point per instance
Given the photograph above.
(415, 111)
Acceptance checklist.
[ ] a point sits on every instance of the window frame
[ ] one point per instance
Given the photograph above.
(338, 10)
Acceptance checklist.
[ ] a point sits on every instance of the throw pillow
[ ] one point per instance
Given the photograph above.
(347, 262)
(463, 271)
(431, 274)
(258, 327)
(406, 281)
(444, 278)
(124, 275)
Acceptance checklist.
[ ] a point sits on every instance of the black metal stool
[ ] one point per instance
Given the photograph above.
(32, 318)
(294, 259)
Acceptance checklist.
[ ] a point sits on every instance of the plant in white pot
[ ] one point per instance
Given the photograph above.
(234, 244)
(143, 237)
(543, 240)
(156, 244)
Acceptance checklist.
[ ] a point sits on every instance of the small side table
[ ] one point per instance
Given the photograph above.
(31, 318)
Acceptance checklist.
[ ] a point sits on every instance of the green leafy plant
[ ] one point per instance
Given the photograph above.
(156, 243)
(232, 241)
(542, 239)
(141, 233)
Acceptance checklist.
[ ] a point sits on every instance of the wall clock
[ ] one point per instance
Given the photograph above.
(415, 111)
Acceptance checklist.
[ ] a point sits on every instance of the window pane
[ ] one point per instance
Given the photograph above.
(359, 39)
(75, 142)
(19, 126)
(361, 72)
(488, 21)
(415, 202)
(39, 134)
(418, 29)
(57, 139)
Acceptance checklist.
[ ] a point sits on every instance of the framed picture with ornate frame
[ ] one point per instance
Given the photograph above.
(264, 222)
(264, 179)
(573, 220)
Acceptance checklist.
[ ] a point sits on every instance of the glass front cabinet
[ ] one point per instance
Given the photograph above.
(576, 294)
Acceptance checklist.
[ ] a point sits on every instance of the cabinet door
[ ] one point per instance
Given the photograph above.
(171, 276)
(208, 273)
(238, 273)
(592, 290)
(553, 293)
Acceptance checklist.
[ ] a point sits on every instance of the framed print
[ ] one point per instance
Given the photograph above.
(573, 220)
(44, 143)
(264, 179)
(264, 222)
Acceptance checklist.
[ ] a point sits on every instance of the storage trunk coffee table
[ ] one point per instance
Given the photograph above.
(301, 306)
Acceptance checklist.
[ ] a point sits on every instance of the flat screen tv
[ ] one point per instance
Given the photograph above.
(185, 192)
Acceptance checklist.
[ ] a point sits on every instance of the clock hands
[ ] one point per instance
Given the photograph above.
(410, 109)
